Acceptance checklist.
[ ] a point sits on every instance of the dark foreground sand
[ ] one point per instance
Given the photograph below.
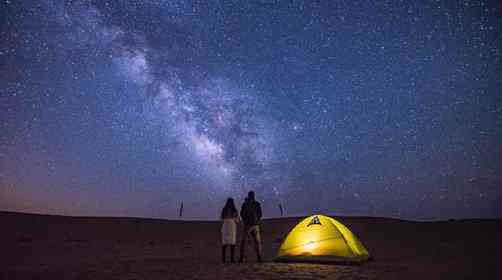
(54, 247)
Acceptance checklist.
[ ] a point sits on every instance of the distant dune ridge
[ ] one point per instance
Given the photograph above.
(60, 247)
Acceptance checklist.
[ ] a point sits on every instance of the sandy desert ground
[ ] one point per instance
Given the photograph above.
(58, 247)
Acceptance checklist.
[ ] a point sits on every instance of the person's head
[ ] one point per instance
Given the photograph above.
(230, 203)
(229, 209)
(251, 195)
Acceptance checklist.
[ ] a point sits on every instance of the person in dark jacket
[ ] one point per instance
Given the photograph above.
(251, 216)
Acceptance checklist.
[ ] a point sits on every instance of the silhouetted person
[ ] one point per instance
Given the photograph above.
(251, 215)
(229, 218)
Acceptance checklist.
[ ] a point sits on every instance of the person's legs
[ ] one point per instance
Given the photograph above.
(232, 251)
(257, 242)
(223, 252)
(243, 243)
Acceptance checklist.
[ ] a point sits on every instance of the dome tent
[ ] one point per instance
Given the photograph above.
(321, 238)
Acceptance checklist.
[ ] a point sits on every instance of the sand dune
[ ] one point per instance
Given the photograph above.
(57, 247)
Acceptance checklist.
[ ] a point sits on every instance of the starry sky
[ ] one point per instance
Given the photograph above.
(127, 108)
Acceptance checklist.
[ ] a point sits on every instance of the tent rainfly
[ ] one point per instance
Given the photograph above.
(322, 239)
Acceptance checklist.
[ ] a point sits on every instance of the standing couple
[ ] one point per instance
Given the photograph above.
(250, 215)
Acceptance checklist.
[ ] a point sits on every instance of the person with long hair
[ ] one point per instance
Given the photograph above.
(229, 217)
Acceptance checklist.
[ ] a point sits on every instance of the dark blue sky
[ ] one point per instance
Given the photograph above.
(127, 108)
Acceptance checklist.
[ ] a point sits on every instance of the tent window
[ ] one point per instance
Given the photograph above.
(315, 221)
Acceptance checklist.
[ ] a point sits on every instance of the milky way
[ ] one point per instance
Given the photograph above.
(386, 108)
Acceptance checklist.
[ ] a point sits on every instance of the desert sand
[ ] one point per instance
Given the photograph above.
(60, 247)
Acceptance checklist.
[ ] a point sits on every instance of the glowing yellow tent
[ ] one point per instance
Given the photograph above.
(320, 238)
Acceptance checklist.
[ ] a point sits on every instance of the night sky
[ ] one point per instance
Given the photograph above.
(376, 108)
